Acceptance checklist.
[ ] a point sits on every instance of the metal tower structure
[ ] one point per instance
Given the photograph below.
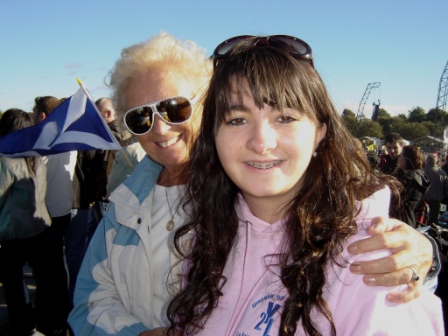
(369, 88)
(443, 89)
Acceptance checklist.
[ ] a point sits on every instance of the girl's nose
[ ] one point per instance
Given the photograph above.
(263, 137)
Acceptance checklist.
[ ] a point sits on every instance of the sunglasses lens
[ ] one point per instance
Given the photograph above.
(225, 48)
(139, 120)
(228, 45)
(173, 110)
(290, 44)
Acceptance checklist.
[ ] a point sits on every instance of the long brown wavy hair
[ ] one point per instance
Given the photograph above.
(319, 219)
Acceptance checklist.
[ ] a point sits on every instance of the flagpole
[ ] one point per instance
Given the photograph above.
(113, 136)
(127, 158)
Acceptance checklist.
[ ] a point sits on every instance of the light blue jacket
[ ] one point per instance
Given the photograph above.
(112, 294)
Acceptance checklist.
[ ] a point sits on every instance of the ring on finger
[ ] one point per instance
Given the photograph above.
(414, 277)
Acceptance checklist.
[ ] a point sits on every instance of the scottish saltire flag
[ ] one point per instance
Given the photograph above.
(76, 124)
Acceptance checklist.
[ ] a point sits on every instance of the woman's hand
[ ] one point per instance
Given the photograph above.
(409, 248)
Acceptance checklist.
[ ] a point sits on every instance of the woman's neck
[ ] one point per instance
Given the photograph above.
(173, 176)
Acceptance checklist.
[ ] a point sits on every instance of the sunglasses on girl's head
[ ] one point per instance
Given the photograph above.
(172, 110)
(292, 45)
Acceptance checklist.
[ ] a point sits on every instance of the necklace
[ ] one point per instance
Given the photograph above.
(170, 223)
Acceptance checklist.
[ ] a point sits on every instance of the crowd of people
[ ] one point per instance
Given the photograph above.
(423, 176)
(50, 207)
(239, 205)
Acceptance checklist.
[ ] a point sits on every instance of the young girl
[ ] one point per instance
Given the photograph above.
(278, 188)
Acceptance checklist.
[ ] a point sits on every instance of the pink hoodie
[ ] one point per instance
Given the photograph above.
(254, 296)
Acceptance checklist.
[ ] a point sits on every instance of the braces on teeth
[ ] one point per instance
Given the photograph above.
(263, 165)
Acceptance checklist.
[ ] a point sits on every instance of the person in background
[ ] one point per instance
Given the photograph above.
(124, 164)
(439, 187)
(107, 110)
(89, 191)
(445, 165)
(274, 204)
(382, 157)
(125, 284)
(373, 162)
(394, 144)
(59, 200)
(120, 163)
(414, 183)
(24, 222)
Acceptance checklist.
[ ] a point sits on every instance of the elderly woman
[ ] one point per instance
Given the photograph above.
(126, 280)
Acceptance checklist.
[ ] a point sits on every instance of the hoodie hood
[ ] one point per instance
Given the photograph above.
(419, 176)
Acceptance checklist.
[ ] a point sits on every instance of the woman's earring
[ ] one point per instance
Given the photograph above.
(314, 154)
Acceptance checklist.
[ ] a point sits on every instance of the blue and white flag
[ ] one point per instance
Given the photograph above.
(75, 124)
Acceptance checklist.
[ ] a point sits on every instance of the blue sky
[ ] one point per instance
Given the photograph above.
(45, 45)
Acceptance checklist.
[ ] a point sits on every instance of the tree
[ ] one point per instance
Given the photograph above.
(437, 116)
(383, 114)
(430, 126)
(348, 114)
(349, 120)
(415, 125)
(368, 127)
(417, 114)
(385, 120)
(395, 124)
(440, 119)
(402, 117)
(411, 131)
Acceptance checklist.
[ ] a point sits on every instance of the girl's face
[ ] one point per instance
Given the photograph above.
(401, 162)
(265, 152)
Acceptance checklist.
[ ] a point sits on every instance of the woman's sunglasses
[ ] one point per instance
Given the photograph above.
(172, 110)
(292, 45)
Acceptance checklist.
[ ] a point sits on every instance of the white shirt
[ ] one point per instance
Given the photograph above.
(60, 171)
(162, 240)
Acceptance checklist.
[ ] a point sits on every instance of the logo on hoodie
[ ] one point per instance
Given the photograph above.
(267, 318)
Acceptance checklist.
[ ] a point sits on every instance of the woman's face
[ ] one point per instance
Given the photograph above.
(401, 161)
(166, 144)
(266, 152)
